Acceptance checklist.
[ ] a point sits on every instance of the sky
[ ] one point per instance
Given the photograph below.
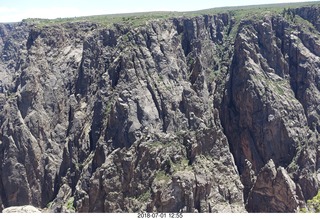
(16, 10)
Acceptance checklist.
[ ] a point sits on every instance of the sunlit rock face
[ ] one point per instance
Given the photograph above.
(203, 114)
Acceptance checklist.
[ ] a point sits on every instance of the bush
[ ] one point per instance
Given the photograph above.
(313, 205)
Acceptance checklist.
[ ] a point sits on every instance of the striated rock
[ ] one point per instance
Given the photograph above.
(267, 116)
(273, 191)
(208, 113)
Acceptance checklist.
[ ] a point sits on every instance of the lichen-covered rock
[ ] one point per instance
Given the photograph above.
(176, 115)
(270, 102)
(21, 209)
(273, 191)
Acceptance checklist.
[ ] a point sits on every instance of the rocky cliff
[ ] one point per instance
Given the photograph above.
(210, 113)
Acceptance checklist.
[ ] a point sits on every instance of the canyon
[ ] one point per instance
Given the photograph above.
(216, 112)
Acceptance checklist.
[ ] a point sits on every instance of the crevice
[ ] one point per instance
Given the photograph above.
(162, 49)
(179, 27)
(81, 81)
(206, 21)
(187, 142)
(186, 45)
(154, 98)
(231, 25)
(197, 202)
(139, 113)
(135, 66)
(211, 33)
(56, 186)
(91, 142)
(3, 194)
(186, 41)
(148, 41)
(33, 35)
(70, 116)
(114, 73)
(98, 158)
(97, 123)
(163, 116)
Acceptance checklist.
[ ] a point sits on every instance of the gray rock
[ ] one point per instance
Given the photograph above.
(273, 191)
(188, 114)
(21, 209)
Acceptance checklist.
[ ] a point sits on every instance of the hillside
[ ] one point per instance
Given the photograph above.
(208, 111)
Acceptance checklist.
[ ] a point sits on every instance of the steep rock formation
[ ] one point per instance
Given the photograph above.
(109, 118)
(201, 114)
(271, 103)
(275, 187)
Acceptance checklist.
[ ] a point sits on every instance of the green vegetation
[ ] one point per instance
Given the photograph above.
(161, 175)
(163, 144)
(109, 106)
(306, 24)
(293, 166)
(131, 19)
(257, 8)
(254, 12)
(126, 38)
(313, 205)
(279, 89)
(144, 197)
(49, 205)
(138, 19)
(156, 144)
(303, 210)
(191, 61)
(182, 165)
(69, 204)
(213, 75)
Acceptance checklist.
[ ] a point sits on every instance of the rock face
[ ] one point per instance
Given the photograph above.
(271, 101)
(275, 187)
(21, 209)
(201, 114)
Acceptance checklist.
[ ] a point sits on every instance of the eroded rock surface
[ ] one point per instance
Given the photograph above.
(21, 209)
(201, 114)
